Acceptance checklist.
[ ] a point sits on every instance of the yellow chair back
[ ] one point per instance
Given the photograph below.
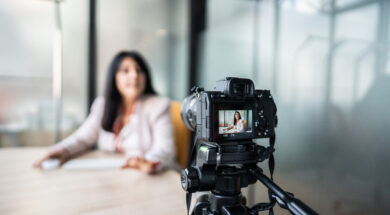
(182, 134)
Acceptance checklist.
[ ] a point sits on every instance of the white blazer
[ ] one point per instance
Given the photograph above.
(240, 126)
(148, 134)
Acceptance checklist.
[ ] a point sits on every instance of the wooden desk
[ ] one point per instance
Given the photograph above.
(24, 190)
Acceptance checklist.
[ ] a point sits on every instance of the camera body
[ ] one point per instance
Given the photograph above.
(232, 111)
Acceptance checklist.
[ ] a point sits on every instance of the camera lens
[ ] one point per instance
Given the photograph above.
(188, 112)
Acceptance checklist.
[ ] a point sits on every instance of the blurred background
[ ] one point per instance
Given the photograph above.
(325, 61)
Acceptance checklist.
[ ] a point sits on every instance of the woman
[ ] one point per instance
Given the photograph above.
(131, 119)
(238, 124)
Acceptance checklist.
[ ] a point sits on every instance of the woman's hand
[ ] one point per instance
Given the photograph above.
(61, 154)
(145, 166)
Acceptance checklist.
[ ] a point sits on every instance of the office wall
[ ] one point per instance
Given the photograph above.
(332, 95)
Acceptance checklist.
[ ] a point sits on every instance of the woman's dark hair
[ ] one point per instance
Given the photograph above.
(112, 96)
(235, 117)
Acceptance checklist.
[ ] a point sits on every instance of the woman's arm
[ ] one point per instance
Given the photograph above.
(87, 134)
(228, 128)
(79, 141)
(163, 150)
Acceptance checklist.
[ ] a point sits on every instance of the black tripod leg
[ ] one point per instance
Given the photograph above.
(285, 200)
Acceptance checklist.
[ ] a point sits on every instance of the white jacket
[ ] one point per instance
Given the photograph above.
(148, 134)
(240, 126)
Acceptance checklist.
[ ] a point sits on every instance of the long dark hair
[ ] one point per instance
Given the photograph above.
(235, 117)
(112, 96)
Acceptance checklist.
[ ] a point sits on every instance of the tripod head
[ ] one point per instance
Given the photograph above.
(214, 160)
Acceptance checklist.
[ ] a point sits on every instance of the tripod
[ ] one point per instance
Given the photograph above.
(224, 170)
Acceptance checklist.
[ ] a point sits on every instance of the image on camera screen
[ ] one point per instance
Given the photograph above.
(235, 121)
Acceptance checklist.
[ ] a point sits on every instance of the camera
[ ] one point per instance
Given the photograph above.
(224, 158)
(232, 110)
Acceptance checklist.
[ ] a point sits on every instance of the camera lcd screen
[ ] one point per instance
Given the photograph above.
(235, 121)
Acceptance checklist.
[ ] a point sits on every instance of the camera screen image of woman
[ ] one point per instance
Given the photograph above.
(130, 119)
(231, 121)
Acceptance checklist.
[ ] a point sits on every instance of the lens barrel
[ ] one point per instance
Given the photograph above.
(188, 112)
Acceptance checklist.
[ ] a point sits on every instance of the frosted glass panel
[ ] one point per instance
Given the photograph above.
(25, 71)
(227, 42)
(26, 76)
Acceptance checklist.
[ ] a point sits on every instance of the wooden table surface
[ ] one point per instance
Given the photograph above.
(24, 190)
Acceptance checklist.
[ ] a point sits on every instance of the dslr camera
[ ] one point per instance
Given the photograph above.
(232, 111)
(224, 157)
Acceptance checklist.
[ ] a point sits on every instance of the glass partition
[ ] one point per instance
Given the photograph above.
(25, 73)
(28, 111)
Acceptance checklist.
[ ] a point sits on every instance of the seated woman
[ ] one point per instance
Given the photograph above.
(131, 119)
(238, 124)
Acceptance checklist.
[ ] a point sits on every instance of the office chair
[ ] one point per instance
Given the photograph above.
(182, 134)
